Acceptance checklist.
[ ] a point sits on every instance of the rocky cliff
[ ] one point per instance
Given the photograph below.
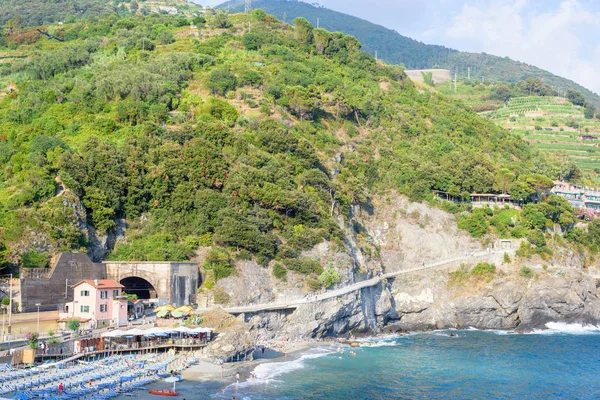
(397, 235)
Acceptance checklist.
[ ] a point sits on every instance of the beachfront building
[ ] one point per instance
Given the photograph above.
(578, 196)
(96, 303)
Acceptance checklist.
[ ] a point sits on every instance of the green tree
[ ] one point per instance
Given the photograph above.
(73, 324)
(3, 260)
(501, 92)
(221, 20)
(322, 38)
(329, 277)
(100, 212)
(575, 97)
(221, 81)
(589, 111)
(303, 31)
(219, 261)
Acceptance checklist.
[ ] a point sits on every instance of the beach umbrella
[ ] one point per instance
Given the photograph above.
(114, 333)
(135, 332)
(166, 307)
(176, 314)
(183, 329)
(153, 331)
(184, 309)
(172, 380)
(161, 314)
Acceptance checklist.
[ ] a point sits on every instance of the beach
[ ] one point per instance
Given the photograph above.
(205, 379)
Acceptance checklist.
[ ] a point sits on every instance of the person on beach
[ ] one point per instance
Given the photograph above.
(60, 388)
(221, 371)
(237, 377)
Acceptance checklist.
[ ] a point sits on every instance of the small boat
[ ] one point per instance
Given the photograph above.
(164, 392)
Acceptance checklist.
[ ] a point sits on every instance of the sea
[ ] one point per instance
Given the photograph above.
(560, 362)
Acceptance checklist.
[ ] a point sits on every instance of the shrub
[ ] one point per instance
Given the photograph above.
(32, 339)
(221, 81)
(220, 296)
(484, 269)
(32, 259)
(313, 284)
(279, 271)
(219, 261)
(209, 280)
(525, 272)
(304, 265)
(222, 21)
(506, 259)
(329, 277)
(73, 324)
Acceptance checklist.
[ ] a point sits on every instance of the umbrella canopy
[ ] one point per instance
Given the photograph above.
(202, 330)
(135, 332)
(172, 379)
(114, 333)
(166, 307)
(182, 329)
(184, 309)
(153, 331)
(162, 314)
(176, 314)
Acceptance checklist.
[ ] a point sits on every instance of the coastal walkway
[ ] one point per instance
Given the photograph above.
(293, 303)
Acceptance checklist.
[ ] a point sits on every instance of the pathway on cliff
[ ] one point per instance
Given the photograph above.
(291, 303)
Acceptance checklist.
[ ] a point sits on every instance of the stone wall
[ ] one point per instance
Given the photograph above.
(174, 282)
(51, 287)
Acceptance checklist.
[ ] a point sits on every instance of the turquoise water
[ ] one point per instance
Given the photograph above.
(470, 365)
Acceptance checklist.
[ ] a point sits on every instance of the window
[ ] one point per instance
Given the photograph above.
(115, 293)
(85, 293)
(103, 307)
(103, 294)
(85, 309)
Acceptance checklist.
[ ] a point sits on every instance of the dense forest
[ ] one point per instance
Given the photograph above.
(397, 49)
(257, 142)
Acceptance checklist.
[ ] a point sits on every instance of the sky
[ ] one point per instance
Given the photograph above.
(557, 35)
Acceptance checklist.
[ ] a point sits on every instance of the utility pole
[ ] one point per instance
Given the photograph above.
(455, 82)
(469, 73)
(376, 59)
(318, 22)
(10, 305)
(38, 317)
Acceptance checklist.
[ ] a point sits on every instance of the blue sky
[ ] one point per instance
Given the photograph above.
(560, 36)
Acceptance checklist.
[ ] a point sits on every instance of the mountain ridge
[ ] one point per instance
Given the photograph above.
(395, 48)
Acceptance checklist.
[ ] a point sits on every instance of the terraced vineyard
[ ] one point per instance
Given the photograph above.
(551, 124)
(537, 104)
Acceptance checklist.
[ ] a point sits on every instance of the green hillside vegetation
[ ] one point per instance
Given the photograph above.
(397, 49)
(567, 128)
(40, 12)
(253, 143)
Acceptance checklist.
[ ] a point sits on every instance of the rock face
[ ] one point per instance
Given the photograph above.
(422, 303)
(396, 234)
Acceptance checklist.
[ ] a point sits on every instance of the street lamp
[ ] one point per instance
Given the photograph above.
(3, 308)
(38, 317)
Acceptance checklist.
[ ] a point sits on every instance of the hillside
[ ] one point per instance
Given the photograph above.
(142, 138)
(553, 124)
(41, 12)
(397, 49)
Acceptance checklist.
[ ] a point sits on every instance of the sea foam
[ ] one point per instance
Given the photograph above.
(573, 329)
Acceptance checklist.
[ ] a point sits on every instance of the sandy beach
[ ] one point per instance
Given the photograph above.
(204, 379)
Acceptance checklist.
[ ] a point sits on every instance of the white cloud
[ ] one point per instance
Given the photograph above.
(551, 40)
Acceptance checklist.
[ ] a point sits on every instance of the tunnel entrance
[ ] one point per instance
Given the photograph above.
(139, 286)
